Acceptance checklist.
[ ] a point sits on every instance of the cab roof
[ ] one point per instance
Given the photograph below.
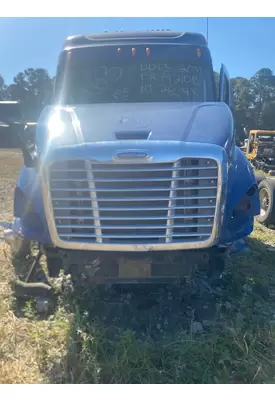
(138, 37)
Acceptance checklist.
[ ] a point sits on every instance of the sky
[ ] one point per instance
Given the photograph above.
(244, 45)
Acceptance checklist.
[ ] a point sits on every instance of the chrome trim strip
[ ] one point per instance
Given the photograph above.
(171, 204)
(161, 152)
(94, 202)
(148, 189)
(155, 180)
(153, 227)
(125, 236)
(128, 170)
(189, 216)
(132, 208)
(155, 199)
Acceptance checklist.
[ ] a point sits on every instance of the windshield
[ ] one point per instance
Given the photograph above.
(114, 74)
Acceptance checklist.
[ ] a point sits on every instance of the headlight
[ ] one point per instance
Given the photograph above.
(56, 126)
(63, 127)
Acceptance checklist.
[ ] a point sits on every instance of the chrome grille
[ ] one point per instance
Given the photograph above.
(134, 203)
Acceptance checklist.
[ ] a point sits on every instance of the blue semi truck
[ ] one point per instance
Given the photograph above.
(134, 173)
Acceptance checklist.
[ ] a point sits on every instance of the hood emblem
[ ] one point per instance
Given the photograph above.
(131, 154)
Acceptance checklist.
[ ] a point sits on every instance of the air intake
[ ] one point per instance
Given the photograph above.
(132, 135)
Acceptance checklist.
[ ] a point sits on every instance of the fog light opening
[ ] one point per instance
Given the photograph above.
(252, 190)
(243, 206)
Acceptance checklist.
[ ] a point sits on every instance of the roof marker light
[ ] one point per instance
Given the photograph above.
(134, 51)
(148, 51)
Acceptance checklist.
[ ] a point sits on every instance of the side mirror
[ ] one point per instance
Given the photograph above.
(238, 138)
(241, 135)
(27, 146)
(29, 134)
(30, 156)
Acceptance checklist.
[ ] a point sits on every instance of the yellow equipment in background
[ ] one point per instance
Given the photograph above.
(260, 149)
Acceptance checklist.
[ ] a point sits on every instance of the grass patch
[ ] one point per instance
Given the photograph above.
(77, 345)
(81, 343)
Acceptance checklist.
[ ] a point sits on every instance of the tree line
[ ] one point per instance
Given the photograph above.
(33, 88)
(254, 98)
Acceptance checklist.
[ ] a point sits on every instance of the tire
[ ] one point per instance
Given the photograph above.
(267, 202)
(259, 177)
(54, 265)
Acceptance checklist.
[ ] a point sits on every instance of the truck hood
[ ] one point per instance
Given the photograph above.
(187, 122)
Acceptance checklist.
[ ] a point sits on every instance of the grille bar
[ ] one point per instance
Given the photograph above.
(132, 179)
(68, 189)
(188, 168)
(180, 216)
(82, 226)
(147, 189)
(147, 236)
(133, 208)
(126, 199)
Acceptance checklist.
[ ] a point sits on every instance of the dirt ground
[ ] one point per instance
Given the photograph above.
(10, 163)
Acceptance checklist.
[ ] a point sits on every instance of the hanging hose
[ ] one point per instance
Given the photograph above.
(29, 289)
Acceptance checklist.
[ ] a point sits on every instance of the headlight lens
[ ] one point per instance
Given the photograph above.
(56, 127)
